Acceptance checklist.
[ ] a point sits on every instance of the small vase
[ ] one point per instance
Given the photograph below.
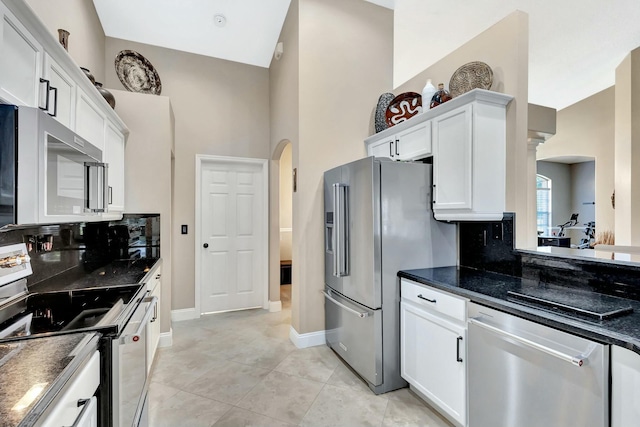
(427, 93)
(63, 38)
(89, 75)
(108, 96)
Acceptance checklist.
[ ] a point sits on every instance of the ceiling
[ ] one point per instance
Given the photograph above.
(574, 45)
(249, 34)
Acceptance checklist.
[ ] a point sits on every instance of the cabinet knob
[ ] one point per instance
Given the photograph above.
(206, 245)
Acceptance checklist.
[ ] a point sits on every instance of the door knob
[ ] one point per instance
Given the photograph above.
(206, 245)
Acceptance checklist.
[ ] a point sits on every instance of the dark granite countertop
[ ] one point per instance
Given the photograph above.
(117, 273)
(48, 362)
(492, 290)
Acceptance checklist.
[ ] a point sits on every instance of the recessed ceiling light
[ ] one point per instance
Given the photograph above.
(219, 19)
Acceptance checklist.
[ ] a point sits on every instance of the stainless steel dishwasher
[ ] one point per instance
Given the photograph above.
(525, 374)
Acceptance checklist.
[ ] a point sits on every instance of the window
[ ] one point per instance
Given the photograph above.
(543, 202)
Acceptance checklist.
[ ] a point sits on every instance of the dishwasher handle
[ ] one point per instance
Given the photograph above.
(135, 337)
(574, 360)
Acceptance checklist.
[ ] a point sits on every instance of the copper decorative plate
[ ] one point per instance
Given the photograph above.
(136, 73)
(470, 76)
(403, 107)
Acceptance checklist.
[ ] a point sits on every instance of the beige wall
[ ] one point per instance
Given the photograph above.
(86, 39)
(286, 199)
(148, 171)
(283, 108)
(221, 108)
(504, 47)
(346, 58)
(586, 128)
(627, 151)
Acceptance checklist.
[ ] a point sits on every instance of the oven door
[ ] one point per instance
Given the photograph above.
(130, 367)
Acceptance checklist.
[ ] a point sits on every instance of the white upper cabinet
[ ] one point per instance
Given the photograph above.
(62, 103)
(114, 156)
(90, 120)
(469, 158)
(408, 140)
(467, 139)
(21, 57)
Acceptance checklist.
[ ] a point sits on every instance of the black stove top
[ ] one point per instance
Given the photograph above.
(586, 305)
(67, 311)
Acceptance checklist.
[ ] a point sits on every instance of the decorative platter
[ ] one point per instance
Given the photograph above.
(403, 107)
(381, 111)
(136, 73)
(470, 76)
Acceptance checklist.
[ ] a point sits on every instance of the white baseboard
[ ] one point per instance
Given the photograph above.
(166, 339)
(184, 314)
(311, 339)
(275, 306)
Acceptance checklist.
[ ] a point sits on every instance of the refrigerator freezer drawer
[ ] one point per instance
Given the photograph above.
(355, 333)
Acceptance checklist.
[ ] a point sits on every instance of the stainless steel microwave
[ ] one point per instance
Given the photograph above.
(48, 174)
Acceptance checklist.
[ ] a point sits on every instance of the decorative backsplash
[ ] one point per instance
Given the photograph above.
(55, 249)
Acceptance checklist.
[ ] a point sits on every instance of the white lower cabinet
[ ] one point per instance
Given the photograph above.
(625, 387)
(153, 329)
(81, 388)
(433, 348)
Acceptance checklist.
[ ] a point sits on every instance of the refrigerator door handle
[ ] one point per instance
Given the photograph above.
(341, 230)
(360, 314)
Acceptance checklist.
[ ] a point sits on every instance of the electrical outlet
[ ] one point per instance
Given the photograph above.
(496, 231)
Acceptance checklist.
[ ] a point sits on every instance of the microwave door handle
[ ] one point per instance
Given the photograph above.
(135, 337)
(101, 191)
(106, 193)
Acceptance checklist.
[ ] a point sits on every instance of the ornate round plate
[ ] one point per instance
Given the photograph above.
(136, 73)
(470, 76)
(381, 111)
(403, 107)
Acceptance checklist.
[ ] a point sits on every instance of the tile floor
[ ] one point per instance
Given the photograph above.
(240, 369)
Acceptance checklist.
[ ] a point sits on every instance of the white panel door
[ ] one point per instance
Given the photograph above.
(232, 252)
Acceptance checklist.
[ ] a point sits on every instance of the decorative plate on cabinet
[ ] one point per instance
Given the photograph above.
(470, 76)
(136, 73)
(381, 111)
(403, 107)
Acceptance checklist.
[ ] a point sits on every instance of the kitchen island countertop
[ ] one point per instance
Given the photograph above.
(491, 290)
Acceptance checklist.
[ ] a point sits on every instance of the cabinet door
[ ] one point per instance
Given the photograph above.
(625, 387)
(20, 63)
(153, 329)
(415, 142)
(433, 358)
(63, 102)
(383, 148)
(452, 159)
(114, 156)
(90, 120)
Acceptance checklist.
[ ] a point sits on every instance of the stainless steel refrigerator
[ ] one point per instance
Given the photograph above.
(378, 220)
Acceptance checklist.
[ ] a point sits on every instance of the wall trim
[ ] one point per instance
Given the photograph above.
(184, 314)
(166, 339)
(310, 339)
(275, 306)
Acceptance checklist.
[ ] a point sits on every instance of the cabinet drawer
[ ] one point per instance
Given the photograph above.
(82, 386)
(435, 300)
